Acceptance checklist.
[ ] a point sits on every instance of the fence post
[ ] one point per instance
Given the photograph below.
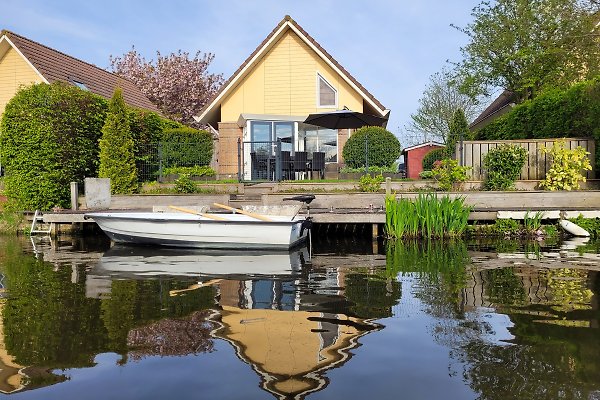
(160, 162)
(278, 161)
(239, 158)
(367, 154)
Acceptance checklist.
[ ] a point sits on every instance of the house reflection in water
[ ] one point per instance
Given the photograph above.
(287, 344)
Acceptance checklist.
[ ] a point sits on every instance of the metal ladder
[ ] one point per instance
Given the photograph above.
(38, 219)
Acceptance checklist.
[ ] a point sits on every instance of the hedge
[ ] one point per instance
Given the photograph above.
(430, 158)
(574, 112)
(186, 147)
(383, 147)
(49, 137)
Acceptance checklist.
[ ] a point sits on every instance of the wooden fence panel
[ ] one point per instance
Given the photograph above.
(537, 163)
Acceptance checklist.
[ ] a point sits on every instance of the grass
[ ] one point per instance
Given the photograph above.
(426, 216)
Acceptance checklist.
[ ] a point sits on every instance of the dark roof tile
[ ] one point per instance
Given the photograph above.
(57, 66)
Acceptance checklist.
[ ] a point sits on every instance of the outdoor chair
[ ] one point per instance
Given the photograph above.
(318, 163)
(259, 166)
(301, 162)
(286, 164)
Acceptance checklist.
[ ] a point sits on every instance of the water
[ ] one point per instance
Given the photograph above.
(424, 320)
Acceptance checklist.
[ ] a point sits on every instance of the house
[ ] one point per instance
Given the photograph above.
(503, 104)
(286, 78)
(23, 62)
(413, 157)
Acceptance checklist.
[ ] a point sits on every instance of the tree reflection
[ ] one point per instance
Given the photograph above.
(553, 352)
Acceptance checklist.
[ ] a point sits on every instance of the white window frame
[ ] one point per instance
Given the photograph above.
(319, 105)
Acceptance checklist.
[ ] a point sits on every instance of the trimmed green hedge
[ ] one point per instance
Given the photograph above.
(570, 113)
(49, 136)
(433, 156)
(186, 147)
(383, 147)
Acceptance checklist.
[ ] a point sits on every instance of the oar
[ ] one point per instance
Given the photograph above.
(194, 287)
(237, 210)
(187, 210)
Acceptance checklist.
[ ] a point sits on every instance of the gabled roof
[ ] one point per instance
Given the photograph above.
(288, 23)
(53, 65)
(500, 106)
(416, 146)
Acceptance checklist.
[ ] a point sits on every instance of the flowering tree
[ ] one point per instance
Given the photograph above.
(179, 85)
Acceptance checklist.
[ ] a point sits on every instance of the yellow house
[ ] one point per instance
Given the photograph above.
(24, 62)
(288, 77)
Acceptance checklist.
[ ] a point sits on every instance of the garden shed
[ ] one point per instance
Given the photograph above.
(413, 157)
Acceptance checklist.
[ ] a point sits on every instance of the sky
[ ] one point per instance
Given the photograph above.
(391, 47)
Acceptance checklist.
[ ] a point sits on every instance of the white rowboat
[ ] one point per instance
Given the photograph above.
(235, 231)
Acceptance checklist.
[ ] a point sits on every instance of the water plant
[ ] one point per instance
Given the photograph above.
(426, 216)
(532, 224)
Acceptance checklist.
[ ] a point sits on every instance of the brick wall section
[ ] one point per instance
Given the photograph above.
(229, 132)
(343, 135)
(414, 160)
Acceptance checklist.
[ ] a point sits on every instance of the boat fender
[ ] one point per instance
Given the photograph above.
(573, 228)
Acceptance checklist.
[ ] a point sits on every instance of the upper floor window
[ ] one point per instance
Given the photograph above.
(327, 95)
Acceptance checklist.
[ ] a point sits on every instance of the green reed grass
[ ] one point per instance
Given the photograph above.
(426, 216)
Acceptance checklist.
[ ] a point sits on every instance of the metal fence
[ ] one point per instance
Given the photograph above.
(154, 160)
(537, 164)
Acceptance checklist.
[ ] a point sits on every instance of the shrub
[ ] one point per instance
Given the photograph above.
(49, 136)
(428, 174)
(567, 165)
(186, 147)
(116, 148)
(447, 173)
(368, 183)
(184, 184)
(503, 166)
(383, 147)
(431, 157)
(191, 171)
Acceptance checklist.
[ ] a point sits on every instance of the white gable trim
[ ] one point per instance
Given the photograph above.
(248, 66)
(336, 69)
(7, 40)
(252, 62)
(423, 145)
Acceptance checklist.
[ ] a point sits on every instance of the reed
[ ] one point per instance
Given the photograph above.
(426, 216)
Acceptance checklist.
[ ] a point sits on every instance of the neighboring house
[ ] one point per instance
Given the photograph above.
(503, 104)
(23, 62)
(288, 77)
(413, 157)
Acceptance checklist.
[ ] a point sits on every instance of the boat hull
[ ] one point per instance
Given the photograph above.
(182, 230)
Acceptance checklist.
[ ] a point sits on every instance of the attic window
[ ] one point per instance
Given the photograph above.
(80, 85)
(327, 95)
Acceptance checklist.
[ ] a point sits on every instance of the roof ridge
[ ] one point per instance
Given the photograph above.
(309, 38)
(8, 33)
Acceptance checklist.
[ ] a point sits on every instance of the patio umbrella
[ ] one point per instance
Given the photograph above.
(344, 119)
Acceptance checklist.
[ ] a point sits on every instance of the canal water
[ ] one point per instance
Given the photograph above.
(350, 320)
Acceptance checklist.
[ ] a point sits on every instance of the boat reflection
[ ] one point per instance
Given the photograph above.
(138, 261)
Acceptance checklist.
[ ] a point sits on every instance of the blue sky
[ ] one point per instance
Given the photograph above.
(390, 46)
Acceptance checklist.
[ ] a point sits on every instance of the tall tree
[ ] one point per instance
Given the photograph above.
(179, 85)
(459, 129)
(440, 100)
(526, 46)
(117, 160)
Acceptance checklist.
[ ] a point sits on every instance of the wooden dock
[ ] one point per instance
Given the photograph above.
(361, 208)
